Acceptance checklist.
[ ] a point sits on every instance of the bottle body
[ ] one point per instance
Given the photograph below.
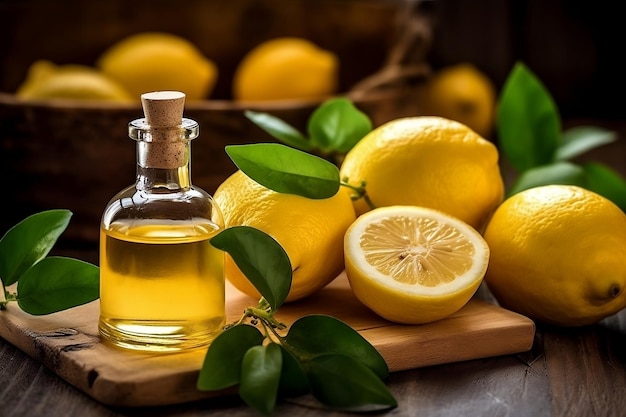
(161, 282)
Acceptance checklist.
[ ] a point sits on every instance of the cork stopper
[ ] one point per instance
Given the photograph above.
(163, 111)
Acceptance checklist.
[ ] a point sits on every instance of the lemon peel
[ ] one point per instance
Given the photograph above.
(463, 93)
(557, 255)
(286, 68)
(159, 61)
(310, 230)
(430, 162)
(45, 80)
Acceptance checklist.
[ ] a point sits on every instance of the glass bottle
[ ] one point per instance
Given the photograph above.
(161, 281)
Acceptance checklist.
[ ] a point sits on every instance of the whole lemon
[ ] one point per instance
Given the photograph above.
(463, 93)
(154, 61)
(45, 80)
(286, 68)
(430, 162)
(557, 255)
(311, 231)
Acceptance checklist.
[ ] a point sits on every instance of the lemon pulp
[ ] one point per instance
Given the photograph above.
(412, 264)
(417, 250)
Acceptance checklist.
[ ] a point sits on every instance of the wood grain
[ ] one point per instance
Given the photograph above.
(68, 344)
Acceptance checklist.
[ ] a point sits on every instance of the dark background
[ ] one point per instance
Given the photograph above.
(574, 47)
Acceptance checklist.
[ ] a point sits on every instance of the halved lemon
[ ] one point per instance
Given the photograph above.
(414, 265)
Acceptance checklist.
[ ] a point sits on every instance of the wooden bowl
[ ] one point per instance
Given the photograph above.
(77, 155)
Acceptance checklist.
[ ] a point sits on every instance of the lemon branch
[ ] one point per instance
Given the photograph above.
(263, 312)
(265, 316)
(359, 192)
(6, 296)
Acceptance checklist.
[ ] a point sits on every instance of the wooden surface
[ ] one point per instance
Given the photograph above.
(68, 344)
(568, 372)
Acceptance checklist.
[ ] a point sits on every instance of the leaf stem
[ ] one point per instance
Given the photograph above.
(262, 312)
(265, 316)
(7, 297)
(359, 192)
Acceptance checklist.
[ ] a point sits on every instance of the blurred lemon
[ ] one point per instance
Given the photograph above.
(45, 80)
(463, 93)
(427, 161)
(414, 265)
(286, 68)
(154, 61)
(558, 255)
(311, 231)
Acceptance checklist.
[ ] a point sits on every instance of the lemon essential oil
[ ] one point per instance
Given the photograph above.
(162, 283)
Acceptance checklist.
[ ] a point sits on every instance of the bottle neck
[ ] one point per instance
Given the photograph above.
(163, 155)
(159, 177)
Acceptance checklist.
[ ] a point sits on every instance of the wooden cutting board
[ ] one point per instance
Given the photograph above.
(68, 344)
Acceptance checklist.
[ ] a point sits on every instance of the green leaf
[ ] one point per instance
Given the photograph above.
(606, 182)
(222, 363)
(293, 380)
(337, 125)
(578, 140)
(286, 170)
(596, 177)
(315, 335)
(29, 241)
(57, 283)
(345, 384)
(261, 259)
(279, 129)
(556, 173)
(260, 376)
(528, 122)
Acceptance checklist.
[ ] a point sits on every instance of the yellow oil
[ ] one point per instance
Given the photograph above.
(161, 286)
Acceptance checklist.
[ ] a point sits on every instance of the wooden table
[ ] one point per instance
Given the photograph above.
(578, 372)
(568, 372)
